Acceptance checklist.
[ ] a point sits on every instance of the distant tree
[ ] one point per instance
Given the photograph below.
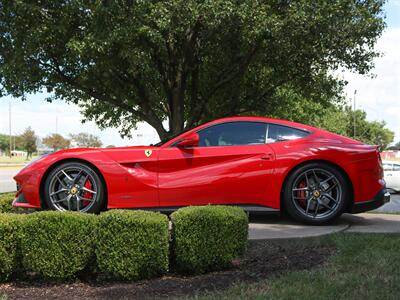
(184, 62)
(110, 146)
(395, 146)
(370, 132)
(27, 141)
(56, 141)
(337, 119)
(4, 143)
(85, 140)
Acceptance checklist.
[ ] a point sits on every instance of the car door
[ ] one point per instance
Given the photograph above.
(396, 176)
(389, 175)
(231, 165)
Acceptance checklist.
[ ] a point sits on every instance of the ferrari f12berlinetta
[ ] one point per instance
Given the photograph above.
(257, 163)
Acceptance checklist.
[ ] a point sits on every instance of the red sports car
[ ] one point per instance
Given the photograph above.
(257, 163)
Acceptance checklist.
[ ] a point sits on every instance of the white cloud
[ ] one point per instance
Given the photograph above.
(380, 96)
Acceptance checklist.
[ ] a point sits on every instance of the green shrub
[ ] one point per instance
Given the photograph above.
(132, 244)
(6, 202)
(207, 238)
(10, 226)
(58, 245)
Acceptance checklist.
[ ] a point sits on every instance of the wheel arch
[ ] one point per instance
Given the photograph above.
(78, 160)
(322, 161)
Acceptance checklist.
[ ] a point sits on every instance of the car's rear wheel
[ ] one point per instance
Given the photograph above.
(74, 186)
(315, 193)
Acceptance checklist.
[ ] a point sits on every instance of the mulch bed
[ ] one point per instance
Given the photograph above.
(263, 259)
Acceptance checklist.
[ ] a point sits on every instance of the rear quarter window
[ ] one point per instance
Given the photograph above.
(279, 133)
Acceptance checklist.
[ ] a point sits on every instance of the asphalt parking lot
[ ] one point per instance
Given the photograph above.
(393, 206)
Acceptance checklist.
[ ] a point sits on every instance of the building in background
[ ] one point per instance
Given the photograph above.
(17, 153)
(390, 154)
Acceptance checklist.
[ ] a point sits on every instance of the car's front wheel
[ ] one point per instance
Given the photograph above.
(74, 186)
(315, 193)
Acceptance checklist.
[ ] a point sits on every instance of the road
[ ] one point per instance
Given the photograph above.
(7, 184)
(392, 206)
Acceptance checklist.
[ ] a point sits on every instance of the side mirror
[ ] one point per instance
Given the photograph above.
(190, 141)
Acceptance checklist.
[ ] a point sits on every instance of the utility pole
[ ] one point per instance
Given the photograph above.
(9, 120)
(354, 114)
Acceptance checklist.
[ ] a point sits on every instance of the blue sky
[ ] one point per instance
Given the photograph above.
(378, 96)
(393, 13)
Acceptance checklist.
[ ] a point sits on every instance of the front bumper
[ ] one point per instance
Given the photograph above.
(380, 199)
(20, 201)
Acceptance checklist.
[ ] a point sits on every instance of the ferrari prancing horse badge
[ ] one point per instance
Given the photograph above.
(148, 152)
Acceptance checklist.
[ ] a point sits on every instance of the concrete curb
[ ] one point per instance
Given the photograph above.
(289, 230)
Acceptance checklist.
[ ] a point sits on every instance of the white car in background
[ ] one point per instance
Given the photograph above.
(392, 175)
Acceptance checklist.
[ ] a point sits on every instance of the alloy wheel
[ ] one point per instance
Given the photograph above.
(73, 189)
(317, 193)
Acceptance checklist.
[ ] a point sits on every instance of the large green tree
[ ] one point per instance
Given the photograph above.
(177, 63)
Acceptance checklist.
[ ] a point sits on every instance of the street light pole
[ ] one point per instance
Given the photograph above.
(9, 119)
(354, 114)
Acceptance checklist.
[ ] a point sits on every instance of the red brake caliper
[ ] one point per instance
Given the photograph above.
(87, 195)
(302, 194)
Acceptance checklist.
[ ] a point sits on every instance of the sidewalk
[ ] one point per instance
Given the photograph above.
(274, 227)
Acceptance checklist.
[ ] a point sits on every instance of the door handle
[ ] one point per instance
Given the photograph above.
(267, 156)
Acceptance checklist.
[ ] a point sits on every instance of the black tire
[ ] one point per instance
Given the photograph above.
(74, 186)
(315, 200)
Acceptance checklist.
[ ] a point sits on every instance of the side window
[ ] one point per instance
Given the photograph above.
(233, 133)
(387, 167)
(278, 133)
(396, 167)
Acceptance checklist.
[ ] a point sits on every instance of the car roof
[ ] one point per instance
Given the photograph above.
(248, 119)
(262, 119)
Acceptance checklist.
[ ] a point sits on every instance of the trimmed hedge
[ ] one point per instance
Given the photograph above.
(58, 245)
(6, 202)
(9, 237)
(132, 245)
(207, 238)
(123, 244)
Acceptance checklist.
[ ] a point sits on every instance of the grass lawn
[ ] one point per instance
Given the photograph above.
(366, 266)
(14, 160)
